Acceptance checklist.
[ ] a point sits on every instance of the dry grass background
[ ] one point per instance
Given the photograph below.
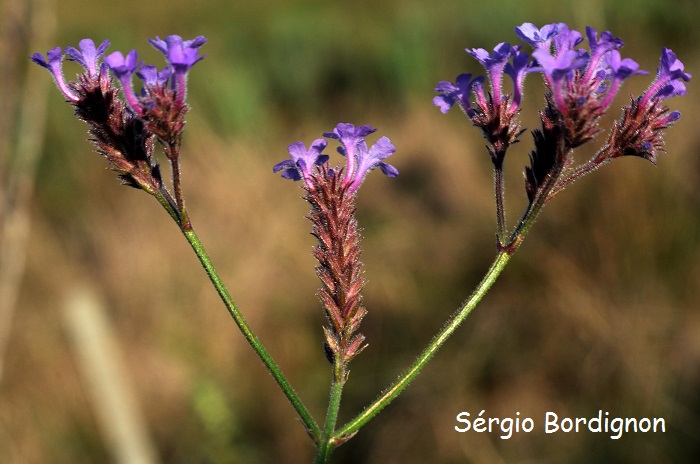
(598, 310)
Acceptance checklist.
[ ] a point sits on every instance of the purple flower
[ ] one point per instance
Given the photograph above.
(181, 55)
(360, 160)
(350, 137)
(559, 66)
(151, 77)
(622, 69)
(671, 66)
(494, 64)
(302, 161)
(517, 70)
(537, 38)
(558, 69)
(458, 92)
(606, 43)
(599, 49)
(565, 39)
(88, 56)
(124, 67)
(669, 75)
(372, 158)
(52, 62)
(619, 70)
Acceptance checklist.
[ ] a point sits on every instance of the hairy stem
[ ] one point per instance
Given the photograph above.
(405, 379)
(499, 190)
(327, 443)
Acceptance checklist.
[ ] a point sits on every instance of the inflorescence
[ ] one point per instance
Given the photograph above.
(125, 131)
(331, 194)
(580, 87)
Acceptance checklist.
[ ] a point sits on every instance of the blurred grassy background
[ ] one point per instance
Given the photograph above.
(598, 310)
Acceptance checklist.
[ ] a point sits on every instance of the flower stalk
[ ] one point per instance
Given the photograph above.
(395, 389)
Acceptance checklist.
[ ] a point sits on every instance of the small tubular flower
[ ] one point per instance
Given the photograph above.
(349, 137)
(52, 62)
(153, 78)
(359, 159)
(619, 69)
(537, 38)
(124, 67)
(669, 75)
(88, 56)
(302, 161)
(181, 56)
(495, 63)
(517, 70)
(565, 39)
(459, 93)
(372, 158)
(599, 50)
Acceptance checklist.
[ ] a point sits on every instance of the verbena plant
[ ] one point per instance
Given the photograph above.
(127, 124)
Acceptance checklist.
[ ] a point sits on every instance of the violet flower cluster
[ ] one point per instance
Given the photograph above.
(331, 193)
(125, 131)
(580, 87)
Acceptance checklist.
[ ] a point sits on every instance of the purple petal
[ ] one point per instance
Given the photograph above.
(88, 56)
(159, 45)
(302, 160)
(151, 77)
(368, 160)
(537, 38)
(623, 69)
(52, 62)
(123, 66)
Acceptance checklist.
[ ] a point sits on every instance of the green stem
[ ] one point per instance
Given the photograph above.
(499, 190)
(405, 379)
(311, 426)
(167, 202)
(326, 442)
